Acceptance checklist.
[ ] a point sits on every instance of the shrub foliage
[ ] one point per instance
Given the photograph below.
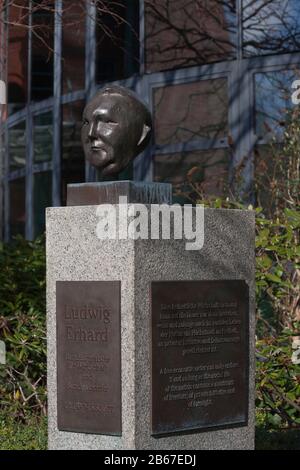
(22, 328)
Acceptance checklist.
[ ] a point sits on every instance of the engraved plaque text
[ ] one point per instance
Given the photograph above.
(88, 356)
(199, 355)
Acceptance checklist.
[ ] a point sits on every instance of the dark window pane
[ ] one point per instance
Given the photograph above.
(17, 207)
(42, 50)
(42, 198)
(191, 111)
(183, 33)
(206, 169)
(271, 26)
(73, 163)
(43, 137)
(73, 45)
(17, 146)
(17, 56)
(117, 37)
(273, 91)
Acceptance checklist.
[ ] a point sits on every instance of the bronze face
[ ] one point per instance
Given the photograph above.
(116, 128)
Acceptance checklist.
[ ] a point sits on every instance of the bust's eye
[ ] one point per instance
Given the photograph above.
(105, 120)
(85, 122)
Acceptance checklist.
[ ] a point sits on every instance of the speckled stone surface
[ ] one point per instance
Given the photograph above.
(74, 253)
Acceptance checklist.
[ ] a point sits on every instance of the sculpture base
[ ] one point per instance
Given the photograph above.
(178, 326)
(108, 192)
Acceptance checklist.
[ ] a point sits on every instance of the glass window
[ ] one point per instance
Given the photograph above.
(190, 111)
(270, 26)
(117, 39)
(42, 50)
(42, 198)
(73, 163)
(17, 146)
(43, 137)
(17, 56)
(73, 45)
(17, 216)
(273, 92)
(206, 169)
(183, 33)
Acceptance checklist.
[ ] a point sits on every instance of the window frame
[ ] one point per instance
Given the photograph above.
(239, 72)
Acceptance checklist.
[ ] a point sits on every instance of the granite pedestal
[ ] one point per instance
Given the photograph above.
(134, 269)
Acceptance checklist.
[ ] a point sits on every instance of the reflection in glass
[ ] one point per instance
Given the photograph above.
(183, 113)
(17, 56)
(43, 137)
(183, 33)
(273, 92)
(73, 45)
(207, 170)
(270, 26)
(17, 216)
(17, 146)
(42, 50)
(73, 163)
(117, 39)
(42, 198)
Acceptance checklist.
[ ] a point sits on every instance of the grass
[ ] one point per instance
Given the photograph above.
(19, 436)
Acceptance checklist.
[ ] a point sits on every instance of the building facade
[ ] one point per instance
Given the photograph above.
(216, 74)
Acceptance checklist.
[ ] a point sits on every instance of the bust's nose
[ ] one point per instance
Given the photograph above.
(91, 133)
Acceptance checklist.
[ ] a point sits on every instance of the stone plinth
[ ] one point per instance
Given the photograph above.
(86, 194)
(74, 253)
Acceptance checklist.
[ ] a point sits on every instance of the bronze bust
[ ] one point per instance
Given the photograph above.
(116, 128)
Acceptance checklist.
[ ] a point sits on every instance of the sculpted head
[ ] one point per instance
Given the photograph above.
(116, 129)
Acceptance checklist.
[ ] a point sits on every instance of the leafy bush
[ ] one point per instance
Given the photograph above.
(22, 328)
(278, 279)
(277, 271)
(278, 382)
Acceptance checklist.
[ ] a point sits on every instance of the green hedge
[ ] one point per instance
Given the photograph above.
(22, 328)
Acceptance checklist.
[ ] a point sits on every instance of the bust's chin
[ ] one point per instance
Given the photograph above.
(98, 158)
(108, 162)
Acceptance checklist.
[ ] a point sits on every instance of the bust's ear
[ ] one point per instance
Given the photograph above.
(145, 132)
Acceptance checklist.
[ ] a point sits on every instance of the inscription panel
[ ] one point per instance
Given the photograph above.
(88, 356)
(199, 355)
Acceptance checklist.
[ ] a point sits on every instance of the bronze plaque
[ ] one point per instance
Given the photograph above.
(88, 356)
(199, 355)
